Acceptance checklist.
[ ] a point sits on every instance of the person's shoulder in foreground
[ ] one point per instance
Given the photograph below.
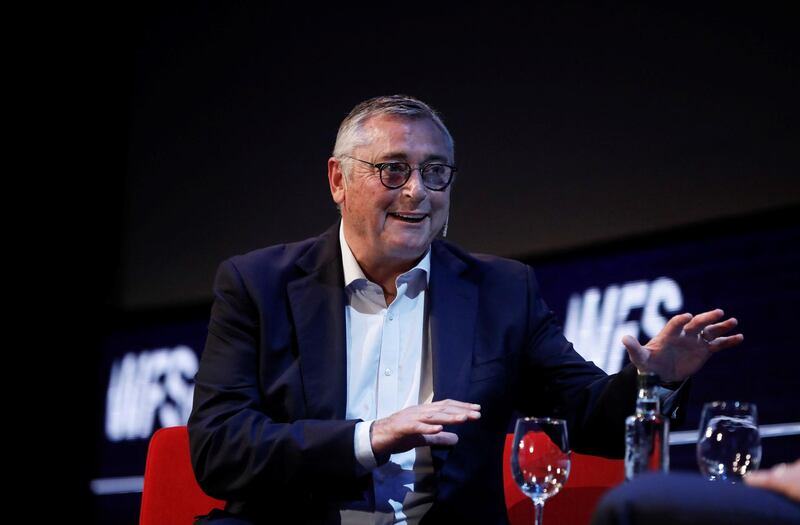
(769, 497)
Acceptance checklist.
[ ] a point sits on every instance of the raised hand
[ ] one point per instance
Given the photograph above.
(684, 345)
(420, 425)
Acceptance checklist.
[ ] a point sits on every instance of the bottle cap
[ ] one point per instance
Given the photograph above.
(647, 379)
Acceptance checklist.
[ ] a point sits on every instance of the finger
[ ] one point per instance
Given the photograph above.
(758, 478)
(424, 428)
(637, 353)
(442, 438)
(454, 403)
(700, 321)
(782, 478)
(716, 330)
(443, 409)
(675, 325)
(441, 418)
(767, 479)
(721, 343)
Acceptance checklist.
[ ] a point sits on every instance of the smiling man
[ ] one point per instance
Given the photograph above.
(387, 230)
(369, 375)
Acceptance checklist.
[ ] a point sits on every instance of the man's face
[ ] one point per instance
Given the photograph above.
(393, 226)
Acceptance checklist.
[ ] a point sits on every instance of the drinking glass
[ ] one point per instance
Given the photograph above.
(728, 445)
(540, 459)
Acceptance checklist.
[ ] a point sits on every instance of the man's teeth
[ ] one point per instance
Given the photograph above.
(408, 217)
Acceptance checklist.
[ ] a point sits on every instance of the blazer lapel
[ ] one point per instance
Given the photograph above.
(453, 310)
(317, 303)
(452, 316)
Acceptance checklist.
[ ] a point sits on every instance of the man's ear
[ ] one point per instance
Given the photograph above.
(336, 180)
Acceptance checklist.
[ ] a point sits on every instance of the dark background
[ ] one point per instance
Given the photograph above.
(575, 128)
(572, 126)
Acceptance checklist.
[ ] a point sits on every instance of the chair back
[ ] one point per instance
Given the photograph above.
(589, 478)
(171, 494)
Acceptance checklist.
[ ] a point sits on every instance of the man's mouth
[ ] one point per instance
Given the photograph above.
(412, 218)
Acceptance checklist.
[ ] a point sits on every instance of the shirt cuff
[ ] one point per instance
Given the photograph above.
(363, 446)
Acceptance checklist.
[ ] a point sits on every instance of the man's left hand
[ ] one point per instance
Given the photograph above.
(683, 345)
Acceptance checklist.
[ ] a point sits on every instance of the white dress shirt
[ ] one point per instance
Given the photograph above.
(388, 369)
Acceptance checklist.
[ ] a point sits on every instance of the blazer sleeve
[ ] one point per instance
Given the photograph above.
(593, 403)
(239, 450)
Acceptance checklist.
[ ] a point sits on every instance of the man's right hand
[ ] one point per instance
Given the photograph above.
(420, 425)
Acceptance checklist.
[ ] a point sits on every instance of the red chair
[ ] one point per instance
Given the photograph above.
(589, 478)
(171, 494)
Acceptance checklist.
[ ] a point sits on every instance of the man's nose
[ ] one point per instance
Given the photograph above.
(414, 186)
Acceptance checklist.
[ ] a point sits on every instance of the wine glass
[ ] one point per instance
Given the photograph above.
(540, 459)
(729, 445)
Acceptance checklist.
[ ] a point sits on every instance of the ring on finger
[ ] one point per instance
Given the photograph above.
(702, 335)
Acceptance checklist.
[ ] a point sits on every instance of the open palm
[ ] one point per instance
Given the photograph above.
(683, 346)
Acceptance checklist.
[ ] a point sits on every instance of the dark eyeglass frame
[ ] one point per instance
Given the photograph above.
(380, 166)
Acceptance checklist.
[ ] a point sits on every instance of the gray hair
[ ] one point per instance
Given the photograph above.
(351, 134)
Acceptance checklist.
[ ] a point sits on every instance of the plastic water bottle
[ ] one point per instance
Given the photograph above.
(646, 431)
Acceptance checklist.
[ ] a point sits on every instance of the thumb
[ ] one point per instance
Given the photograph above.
(636, 352)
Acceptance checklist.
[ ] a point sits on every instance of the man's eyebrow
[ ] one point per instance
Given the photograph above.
(401, 156)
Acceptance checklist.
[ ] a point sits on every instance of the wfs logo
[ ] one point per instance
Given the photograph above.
(146, 385)
(597, 322)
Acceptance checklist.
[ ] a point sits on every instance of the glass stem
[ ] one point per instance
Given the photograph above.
(538, 510)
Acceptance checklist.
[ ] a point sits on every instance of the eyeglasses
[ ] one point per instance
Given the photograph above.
(435, 176)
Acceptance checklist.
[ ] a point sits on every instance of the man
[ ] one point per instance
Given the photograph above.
(368, 375)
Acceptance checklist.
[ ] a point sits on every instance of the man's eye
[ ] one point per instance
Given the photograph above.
(394, 168)
(437, 170)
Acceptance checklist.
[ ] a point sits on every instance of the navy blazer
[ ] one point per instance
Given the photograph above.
(268, 430)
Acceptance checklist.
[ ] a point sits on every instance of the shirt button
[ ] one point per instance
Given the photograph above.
(391, 317)
(387, 372)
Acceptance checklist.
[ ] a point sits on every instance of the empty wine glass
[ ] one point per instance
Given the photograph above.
(729, 445)
(540, 459)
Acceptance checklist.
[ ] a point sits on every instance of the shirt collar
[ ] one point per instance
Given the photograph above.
(353, 271)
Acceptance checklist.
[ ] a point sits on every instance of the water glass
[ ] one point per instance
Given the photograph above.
(728, 445)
